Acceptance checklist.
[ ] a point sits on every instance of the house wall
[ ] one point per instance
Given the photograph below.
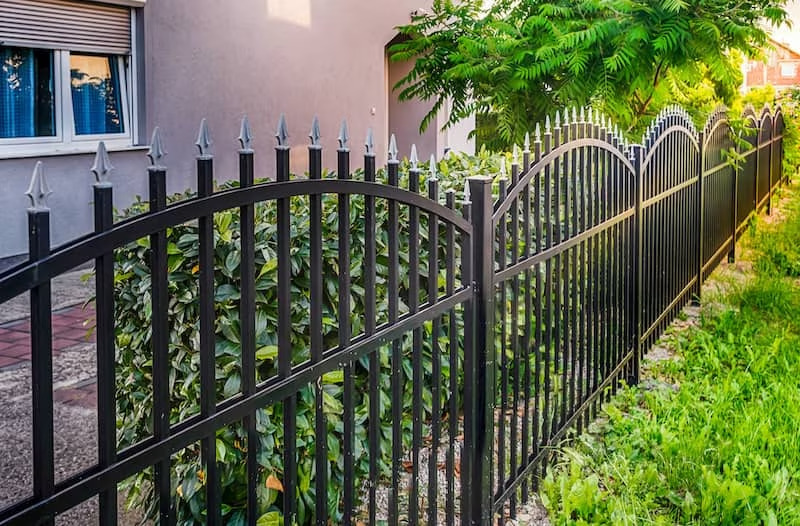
(221, 60)
(774, 71)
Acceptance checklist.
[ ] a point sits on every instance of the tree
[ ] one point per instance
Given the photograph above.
(517, 60)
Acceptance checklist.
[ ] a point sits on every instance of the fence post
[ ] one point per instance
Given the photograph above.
(769, 166)
(735, 206)
(637, 152)
(484, 356)
(701, 139)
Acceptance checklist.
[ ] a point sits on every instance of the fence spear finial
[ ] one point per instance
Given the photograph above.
(574, 114)
(392, 148)
(590, 116)
(102, 166)
(466, 192)
(314, 134)
(558, 120)
(369, 143)
(527, 143)
(156, 152)
(566, 117)
(432, 169)
(246, 135)
(38, 190)
(282, 133)
(583, 115)
(344, 135)
(515, 154)
(203, 141)
(547, 124)
(413, 159)
(537, 133)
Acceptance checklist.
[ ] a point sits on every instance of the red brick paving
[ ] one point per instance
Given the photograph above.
(69, 330)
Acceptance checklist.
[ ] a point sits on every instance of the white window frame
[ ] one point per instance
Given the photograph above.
(66, 141)
(788, 69)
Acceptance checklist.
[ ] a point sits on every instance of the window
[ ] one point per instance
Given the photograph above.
(64, 84)
(788, 69)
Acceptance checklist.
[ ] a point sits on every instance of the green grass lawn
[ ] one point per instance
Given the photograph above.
(712, 437)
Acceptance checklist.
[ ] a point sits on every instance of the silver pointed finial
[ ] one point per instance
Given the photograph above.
(38, 189)
(527, 143)
(583, 115)
(502, 168)
(546, 124)
(466, 192)
(566, 116)
(344, 136)
(369, 142)
(314, 134)
(413, 159)
(590, 116)
(203, 141)
(537, 133)
(156, 152)
(432, 169)
(515, 155)
(574, 115)
(392, 148)
(282, 133)
(246, 135)
(102, 166)
(558, 120)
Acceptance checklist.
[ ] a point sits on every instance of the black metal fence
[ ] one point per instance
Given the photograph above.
(537, 303)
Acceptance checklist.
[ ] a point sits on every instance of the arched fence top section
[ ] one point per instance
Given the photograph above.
(32, 274)
(673, 120)
(749, 113)
(569, 132)
(718, 120)
(779, 124)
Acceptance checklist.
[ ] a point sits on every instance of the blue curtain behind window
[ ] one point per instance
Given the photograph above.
(17, 93)
(95, 102)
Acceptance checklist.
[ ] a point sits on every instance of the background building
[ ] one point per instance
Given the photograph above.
(76, 72)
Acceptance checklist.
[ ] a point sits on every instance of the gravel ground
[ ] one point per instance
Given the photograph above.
(68, 289)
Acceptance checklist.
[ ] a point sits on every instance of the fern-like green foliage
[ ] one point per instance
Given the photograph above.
(518, 60)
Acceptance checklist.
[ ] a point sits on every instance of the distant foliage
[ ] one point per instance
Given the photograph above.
(517, 60)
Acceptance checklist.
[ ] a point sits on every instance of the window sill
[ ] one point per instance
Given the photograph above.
(63, 152)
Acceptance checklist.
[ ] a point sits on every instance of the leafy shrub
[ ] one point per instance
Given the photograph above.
(134, 369)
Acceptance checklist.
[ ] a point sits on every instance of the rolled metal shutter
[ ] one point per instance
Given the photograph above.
(66, 24)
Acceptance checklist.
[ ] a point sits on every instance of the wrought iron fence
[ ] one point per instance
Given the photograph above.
(537, 294)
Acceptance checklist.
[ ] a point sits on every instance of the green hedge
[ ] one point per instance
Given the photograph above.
(134, 361)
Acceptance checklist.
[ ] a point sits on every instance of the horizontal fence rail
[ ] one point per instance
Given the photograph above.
(378, 346)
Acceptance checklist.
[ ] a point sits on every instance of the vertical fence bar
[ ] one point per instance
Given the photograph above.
(770, 165)
(205, 187)
(527, 239)
(452, 346)
(502, 322)
(436, 366)
(638, 173)
(41, 344)
(284, 328)
(468, 452)
(370, 308)
(315, 326)
(485, 364)
(157, 176)
(247, 315)
(393, 294)
(700, 216)
(106, 359)
(416, 342)
(514, 435)
(343, 173)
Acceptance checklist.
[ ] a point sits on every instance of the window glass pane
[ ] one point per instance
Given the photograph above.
(27, 104)
(96, 103)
